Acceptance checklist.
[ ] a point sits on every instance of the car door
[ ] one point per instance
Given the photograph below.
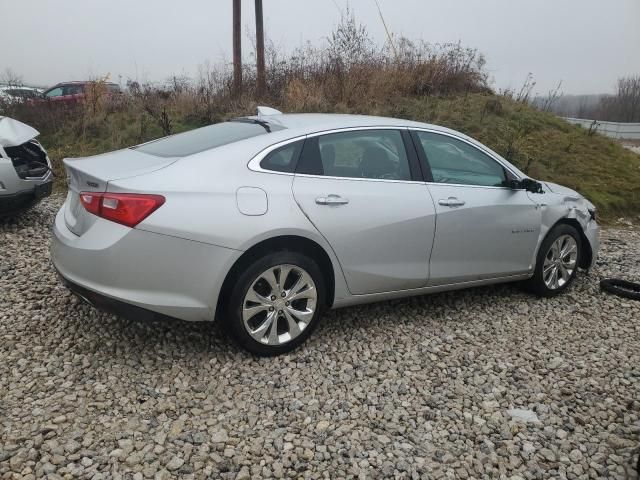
(483, 229)
(73, 92)
(362, 190)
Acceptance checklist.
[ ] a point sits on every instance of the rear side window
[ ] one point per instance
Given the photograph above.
(76, 89)
(456, 162)
(201, 139)
(283, 159)
(374, 154)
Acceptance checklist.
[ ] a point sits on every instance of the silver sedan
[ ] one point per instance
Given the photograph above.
(265, 221)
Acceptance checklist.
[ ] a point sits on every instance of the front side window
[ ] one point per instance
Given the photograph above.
(456, 162)
(54, 92)
(374, 154)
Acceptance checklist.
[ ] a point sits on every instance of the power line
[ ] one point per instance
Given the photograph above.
(384, 24)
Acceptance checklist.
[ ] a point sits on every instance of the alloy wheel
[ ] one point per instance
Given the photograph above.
(560, 262)
(279, 304)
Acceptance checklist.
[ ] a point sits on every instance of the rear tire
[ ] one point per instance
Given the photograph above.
(557, 262)
(276, 303)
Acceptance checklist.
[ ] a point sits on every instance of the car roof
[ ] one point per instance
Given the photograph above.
(80, 82)
(306, 123)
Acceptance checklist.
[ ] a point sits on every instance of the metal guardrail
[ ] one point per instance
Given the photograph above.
(626, 131)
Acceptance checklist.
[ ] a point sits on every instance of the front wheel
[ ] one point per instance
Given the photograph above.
(557, 261)
(276, 303)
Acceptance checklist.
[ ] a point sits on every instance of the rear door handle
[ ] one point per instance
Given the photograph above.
(451, 202)
(331, 200)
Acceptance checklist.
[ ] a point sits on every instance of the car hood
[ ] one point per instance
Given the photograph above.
(560, 190)
(13, 132)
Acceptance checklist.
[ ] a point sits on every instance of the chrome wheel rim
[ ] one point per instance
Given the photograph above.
(279, 304)
(560, 262)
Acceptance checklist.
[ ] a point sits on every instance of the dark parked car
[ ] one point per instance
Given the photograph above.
(10, 94)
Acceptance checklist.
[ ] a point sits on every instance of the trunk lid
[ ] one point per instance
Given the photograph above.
(93, 174)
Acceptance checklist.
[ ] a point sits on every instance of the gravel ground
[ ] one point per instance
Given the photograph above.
(418, 388)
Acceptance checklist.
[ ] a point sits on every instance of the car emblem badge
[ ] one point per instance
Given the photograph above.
(92, 184)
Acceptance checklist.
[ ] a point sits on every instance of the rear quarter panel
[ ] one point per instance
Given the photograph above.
(201, 203)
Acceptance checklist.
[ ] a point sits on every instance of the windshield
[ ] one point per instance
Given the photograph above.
(201, 139)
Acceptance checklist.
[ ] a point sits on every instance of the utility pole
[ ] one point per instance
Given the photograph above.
(261, 75)
(237, 49)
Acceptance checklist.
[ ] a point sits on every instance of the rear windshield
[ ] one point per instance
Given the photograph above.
(201, 139)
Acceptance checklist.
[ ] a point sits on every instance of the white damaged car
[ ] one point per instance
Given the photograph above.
(25, 169)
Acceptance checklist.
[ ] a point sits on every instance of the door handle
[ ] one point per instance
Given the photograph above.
(331, 200)
(451, 202)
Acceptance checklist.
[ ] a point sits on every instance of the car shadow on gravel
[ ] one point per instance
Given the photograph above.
(178, 337)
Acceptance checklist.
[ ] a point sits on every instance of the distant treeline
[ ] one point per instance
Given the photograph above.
(623, 106)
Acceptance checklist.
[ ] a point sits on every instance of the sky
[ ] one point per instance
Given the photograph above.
(586, 44)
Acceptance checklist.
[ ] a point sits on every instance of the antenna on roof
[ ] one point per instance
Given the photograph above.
(267, 111)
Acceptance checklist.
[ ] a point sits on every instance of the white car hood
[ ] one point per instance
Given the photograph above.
(13, 132)
(560, 190)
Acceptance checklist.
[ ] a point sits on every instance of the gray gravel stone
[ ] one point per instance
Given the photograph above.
(415, 388)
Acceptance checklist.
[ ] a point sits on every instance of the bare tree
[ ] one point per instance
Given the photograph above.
(524, 95)
(11, 78)
(628, 98)
(350, 42)
(551, 98)
(261, 75)
(237, 49)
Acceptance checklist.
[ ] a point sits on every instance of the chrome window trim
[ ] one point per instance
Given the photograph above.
(487, 153)
(254, 163)
(358, 179)
(474, 186)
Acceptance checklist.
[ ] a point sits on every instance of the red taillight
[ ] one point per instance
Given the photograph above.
(126, 208)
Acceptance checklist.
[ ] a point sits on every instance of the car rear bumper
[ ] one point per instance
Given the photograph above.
(111, 305)
(18, 201)
(151, 274)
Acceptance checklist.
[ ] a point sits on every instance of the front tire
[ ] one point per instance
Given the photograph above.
(557, 261)
(276, 303)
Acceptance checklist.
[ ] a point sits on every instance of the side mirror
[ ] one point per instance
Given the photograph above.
(530, 185)
(513, 184)
(527, 184)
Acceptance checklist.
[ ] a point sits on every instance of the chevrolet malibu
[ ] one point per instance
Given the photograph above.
(265, 221)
